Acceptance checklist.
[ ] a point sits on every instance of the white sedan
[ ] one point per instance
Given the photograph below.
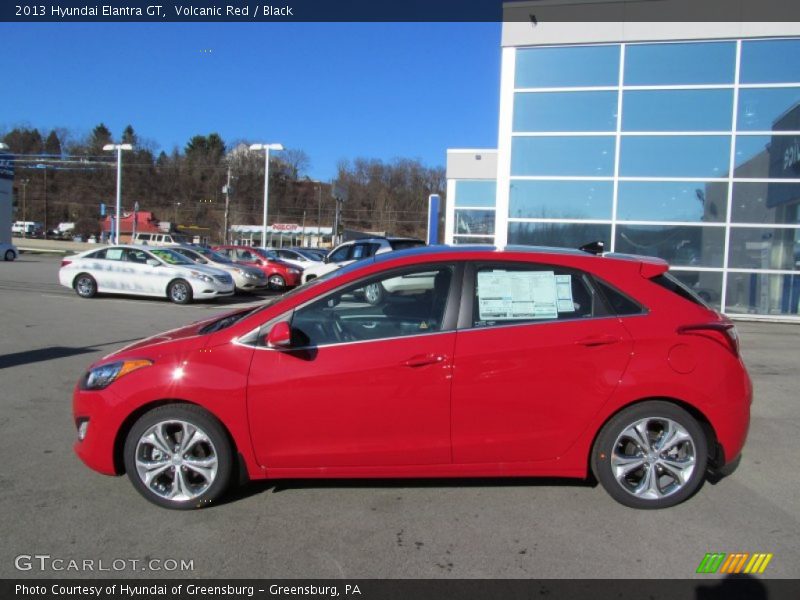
(8, 251)
(142, 272)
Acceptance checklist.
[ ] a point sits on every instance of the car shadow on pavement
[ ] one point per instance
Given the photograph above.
(26, 357)
(254, 488)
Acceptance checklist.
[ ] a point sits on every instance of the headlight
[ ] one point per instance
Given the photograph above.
(101, 377)
(202, 276)
(293, 271)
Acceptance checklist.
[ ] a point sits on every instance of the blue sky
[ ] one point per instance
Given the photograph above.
(334, 90)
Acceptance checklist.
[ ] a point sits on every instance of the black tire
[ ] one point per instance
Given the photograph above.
(276, 282)
(629, 458)
(180, 291)
(85, 286)
(190, 488)
(10, 255)
(373, 293)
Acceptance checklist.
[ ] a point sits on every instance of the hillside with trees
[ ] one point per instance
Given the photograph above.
(70, 176)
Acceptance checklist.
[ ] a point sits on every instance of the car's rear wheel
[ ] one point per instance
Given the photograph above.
(85, 285)
(179, 456)
(180, 292)
(651, 455)
(277, 282)
(10, 255)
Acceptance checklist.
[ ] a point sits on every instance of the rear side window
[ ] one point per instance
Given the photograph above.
(671, 283)
(621, 304)
(511, 294)
(363, 251)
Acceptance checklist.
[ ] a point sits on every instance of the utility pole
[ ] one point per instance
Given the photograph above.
(227, 191)
(24, 184)
(303, 231)
(319, 214)
(45, 201)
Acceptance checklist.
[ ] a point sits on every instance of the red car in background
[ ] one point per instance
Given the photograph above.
(281, 275)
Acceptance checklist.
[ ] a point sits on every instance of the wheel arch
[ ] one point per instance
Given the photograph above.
(130, 420)
(715, 451)
(78, 274)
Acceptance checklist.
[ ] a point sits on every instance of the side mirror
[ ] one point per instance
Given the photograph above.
(280, 336)
(153, 262)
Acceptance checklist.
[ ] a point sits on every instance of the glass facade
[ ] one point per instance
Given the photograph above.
(689, 151)
(474, 211)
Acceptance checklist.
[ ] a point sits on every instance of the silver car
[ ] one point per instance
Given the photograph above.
(245, 278)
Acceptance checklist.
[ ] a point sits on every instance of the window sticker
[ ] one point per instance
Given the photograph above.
(114, 254)
(564, 301)
(517, 295)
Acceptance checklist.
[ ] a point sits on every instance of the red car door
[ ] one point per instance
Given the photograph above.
(362, 384)
(526, 384)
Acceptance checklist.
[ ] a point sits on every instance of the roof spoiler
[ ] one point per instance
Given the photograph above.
(597, 247)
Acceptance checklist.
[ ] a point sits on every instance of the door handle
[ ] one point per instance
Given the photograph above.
(598, 340)
(423, 359)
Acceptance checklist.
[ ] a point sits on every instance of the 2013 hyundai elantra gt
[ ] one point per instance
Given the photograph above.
(520, 362)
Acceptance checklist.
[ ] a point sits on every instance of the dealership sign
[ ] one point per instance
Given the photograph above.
(286, 228)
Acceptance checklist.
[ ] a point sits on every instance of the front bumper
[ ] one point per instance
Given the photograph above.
(96, 450)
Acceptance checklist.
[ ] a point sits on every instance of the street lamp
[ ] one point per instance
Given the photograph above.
(24, 183)
(266, 148)
(119, 148)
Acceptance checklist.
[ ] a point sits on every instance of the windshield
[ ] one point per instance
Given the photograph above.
(213, 256)
(170, 257)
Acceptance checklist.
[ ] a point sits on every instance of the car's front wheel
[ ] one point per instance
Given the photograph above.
(651, 455)
(178, 456)
(180, 292)
(277, 282)
(10, 255)
(373, 293)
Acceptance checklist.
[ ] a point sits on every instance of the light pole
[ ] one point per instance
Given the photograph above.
(266, 148)
(24, 183)
(119, 148)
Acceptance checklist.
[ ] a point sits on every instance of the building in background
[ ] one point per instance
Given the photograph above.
(677, 140)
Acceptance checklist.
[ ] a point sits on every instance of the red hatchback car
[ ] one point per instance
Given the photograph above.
(520, 362)
(280, 275)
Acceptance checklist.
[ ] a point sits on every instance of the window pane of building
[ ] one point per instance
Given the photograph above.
(679, 245)
(559, 156)
(567, 67)
(475, 193)
(770, 61)
(674, 64)
(675, 156)
(677, 110)
(474, 222)
(561, 235)
(767, 156)
(754, 293)
(561, 199)
(772, 202)
(686, 201)
(764, 248)
(769, 109)
(706, 284)
(565, 111)
(465, 239)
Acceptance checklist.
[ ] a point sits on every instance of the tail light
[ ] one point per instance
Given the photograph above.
(719, 331)
(65, 262)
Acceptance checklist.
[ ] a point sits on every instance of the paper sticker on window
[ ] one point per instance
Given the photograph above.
(564, 293)
(114, 254)
(516, 295)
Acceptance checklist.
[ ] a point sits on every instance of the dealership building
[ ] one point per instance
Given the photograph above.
(676, 140)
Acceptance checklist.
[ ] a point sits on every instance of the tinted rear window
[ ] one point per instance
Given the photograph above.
(668, 282)
(405, 244)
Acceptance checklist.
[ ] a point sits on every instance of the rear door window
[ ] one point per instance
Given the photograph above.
(509, 294)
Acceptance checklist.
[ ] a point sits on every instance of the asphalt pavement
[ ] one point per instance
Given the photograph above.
(515, 528)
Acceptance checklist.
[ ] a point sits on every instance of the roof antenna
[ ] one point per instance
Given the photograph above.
(597, 248)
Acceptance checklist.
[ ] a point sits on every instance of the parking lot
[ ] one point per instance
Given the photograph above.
(53, 505)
